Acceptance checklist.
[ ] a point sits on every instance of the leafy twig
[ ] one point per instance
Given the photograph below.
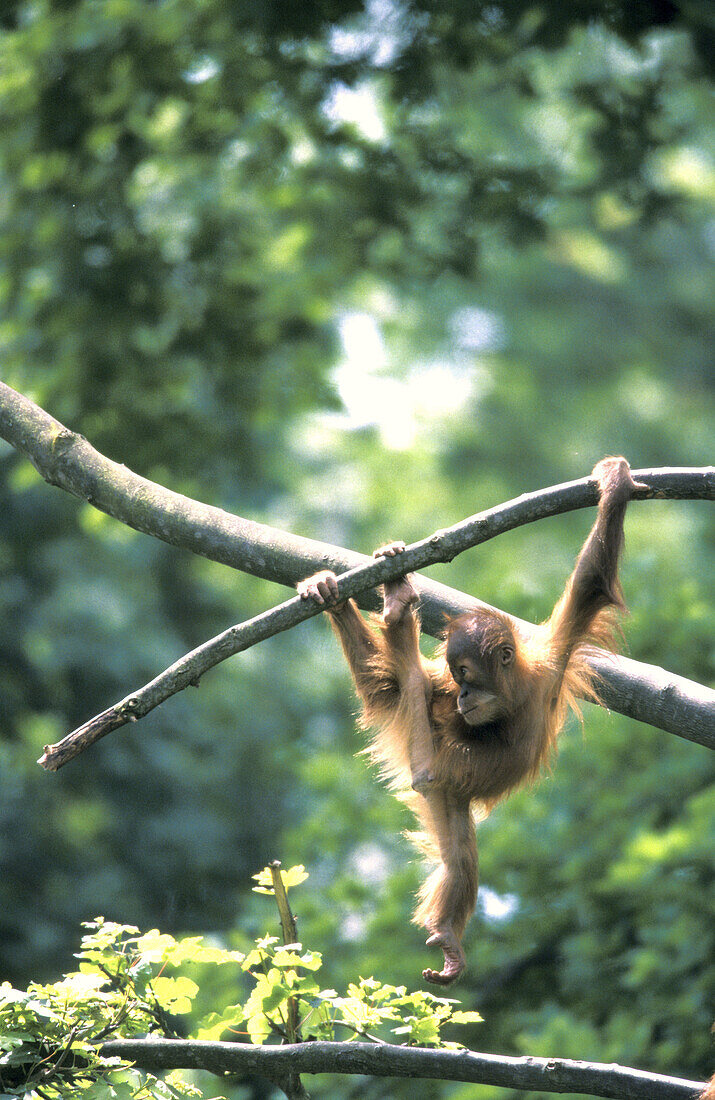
(289, 936)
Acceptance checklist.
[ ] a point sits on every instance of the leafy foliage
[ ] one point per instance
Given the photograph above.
(130, 984)
(50, 1034)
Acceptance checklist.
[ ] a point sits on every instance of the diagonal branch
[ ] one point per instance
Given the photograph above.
(66, 459)
(387, 1060)
(189, 668)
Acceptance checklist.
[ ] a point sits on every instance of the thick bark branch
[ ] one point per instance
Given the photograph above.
(66, 459)
(545, 1075)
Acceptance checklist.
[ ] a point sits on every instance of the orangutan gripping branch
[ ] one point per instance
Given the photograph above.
(457, 734)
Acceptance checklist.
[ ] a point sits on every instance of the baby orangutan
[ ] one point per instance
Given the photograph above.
(457, 734)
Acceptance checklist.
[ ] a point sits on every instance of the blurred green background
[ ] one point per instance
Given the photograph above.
(357, 272)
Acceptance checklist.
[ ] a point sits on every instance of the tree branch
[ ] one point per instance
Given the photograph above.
(386, 1060)
(188, 670)
(675, 702)
(66, 459)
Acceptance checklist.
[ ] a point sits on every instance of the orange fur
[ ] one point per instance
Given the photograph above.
(483, 716)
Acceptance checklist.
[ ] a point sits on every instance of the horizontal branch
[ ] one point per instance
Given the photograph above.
(386, 1060)
(66, 459)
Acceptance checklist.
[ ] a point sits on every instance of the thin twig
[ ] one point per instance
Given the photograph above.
(189, 669)
(288, 927)
(289, 936)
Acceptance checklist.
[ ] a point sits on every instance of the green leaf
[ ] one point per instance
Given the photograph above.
(292, 877)
(424, 1032)
(155, 946)
(310, 960)
(258, 1028)
(215, 1024)
(460, 1017)
(262, 951)
(175, 994)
